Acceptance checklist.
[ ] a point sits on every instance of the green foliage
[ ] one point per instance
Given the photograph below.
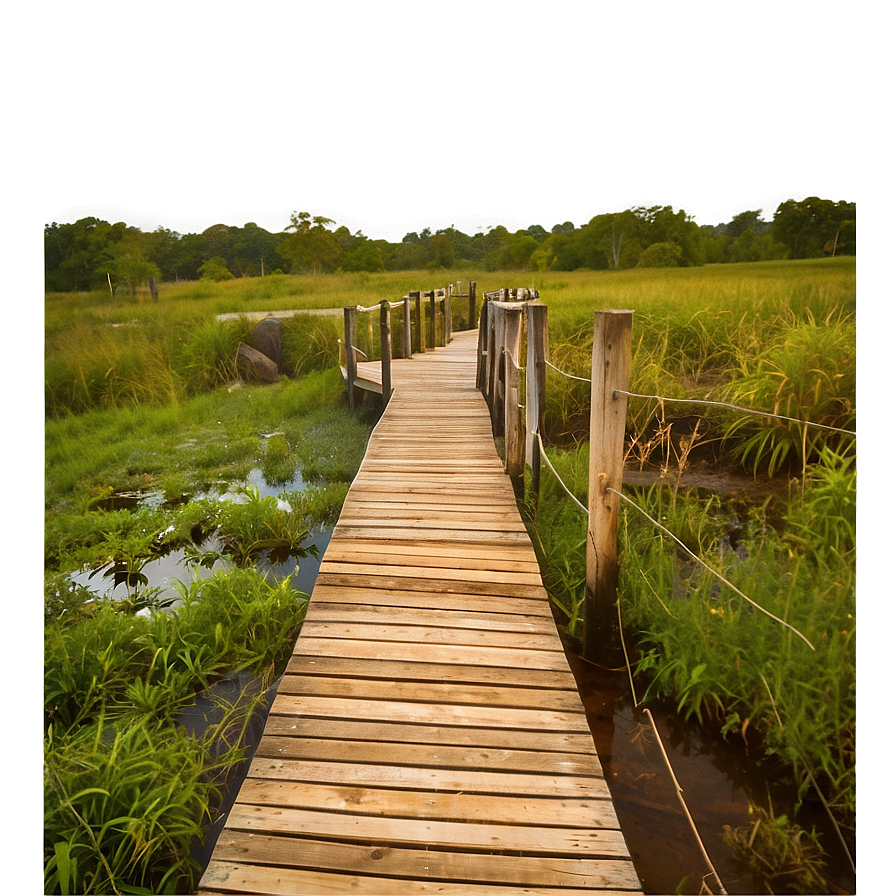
(808, 373)
(783, 857)
(126, 790)
(215, 269)
(660, 255)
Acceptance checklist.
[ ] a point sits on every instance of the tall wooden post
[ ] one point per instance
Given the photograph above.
(536, 355)
(472, 304)
(514, 442)
(482, 356)
(386, 349)
(406, 350)
(610, 368)
(418, 314)
(432, 317)
(350, 312)
(449, 321)
(497, 389)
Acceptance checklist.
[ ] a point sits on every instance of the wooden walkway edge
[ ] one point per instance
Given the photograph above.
(427, 736)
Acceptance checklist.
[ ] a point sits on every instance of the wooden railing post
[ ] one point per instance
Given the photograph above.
(472, 304)
(350, 312)
(449, 322)
(386, 349)
(406, 350)
(482, 357)
(496, 386)
(432, 317)
(536, 355)
(610, 369)
(418, 313)
(514, 442)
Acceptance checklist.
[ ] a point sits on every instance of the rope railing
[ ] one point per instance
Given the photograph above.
(703, 563)
(571, 376)
(674, 537)
(734, 407)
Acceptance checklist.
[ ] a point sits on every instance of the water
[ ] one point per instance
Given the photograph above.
(165, 573)
(718, 777)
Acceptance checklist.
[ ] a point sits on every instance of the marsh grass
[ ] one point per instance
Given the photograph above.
(127, 791)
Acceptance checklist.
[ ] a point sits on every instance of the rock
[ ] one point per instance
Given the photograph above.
(266, 338)
(255, 366)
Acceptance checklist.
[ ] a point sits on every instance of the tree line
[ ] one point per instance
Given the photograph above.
(92, 253)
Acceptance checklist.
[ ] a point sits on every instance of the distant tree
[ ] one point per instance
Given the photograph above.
(811, 226)
(128, 266)
(215, 269)
(537, 232)
(363, 255)
(566, 228)
(661, 255)
(311, 247)
(442, 251)
(749, 220)
(545, 257)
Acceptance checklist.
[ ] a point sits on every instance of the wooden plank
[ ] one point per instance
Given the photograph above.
(427, 635)
(397, 732)
(319, 611)
(450, 692)
(435, 653)
(342, 826)
(232, 877)
(369, 593)
(425, 756)
(431, 714)
(339, 667)
(490, 808)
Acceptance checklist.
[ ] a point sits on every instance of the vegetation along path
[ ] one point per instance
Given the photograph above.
(427, 735)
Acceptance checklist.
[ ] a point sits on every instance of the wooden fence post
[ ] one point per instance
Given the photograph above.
(432, 317)
(610, 369)
(482, 357)
(406, 350)
(418, 313)
(386, 349)
(472, 304)
(496, 385)
(448, 321)
(514, 442)
(536, 355)
(350, 312)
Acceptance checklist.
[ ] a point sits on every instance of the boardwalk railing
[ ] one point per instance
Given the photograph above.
(426, 322)
(518, 415)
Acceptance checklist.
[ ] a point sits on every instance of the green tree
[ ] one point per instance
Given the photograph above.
(128, 266)
(311, 247)
(661, 255)
(813, 226)
(442, 251)
(215, 269)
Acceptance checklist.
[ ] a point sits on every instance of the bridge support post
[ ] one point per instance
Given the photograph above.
(472, 304)
(536, 355)
(447, 319)
(418, 315)
(406, 350)
(386, 349)
(482, 357)
(610, 369)
(350, 313)
(432, 317)
(514, 443)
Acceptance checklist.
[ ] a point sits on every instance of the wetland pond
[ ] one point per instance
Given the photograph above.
(719, 777)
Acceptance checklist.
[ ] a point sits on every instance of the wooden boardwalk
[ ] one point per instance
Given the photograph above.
(427, 736)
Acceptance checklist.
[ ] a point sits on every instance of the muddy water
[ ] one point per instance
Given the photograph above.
(718, 779)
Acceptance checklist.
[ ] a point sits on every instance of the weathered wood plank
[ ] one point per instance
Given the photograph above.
(397, 732)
